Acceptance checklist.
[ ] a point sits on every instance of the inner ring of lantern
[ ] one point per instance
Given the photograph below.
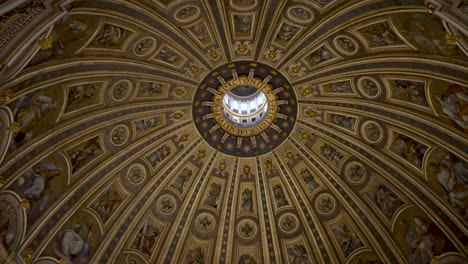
(245, 106)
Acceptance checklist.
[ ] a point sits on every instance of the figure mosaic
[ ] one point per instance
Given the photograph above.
(380, 35)
(195, 256)
(28, 112)
(83, 154)
(168, 55)
(182, 179)
(107, 204)
(73, 244)
(213, 195)
(145, 124)
(8, 224)
(146, 239)
(35, 185)
(81, 95)
(409, 149)
(280, 196)
(341, 87)
(321, 55)
(297, 254)
(110, 36)
(452, 176)
(159, 155)
(150, 88)
(410, 91)
(201, 32)
(243, 23)
(424, 240)
(346, 122)
(247, 201)
(348, 240)
(331, 154)
(246, 259)
(454, 105)
(286, 33)
(309, 179)
(386, 200)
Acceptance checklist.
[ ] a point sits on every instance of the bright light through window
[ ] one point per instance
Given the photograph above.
(245, 106)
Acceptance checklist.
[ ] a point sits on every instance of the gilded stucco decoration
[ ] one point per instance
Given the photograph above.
(117, 144)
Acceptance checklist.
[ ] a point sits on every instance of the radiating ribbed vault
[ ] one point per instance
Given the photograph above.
(113, 149)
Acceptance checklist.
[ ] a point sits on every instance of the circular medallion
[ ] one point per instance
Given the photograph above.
(247, 229)
(166, 204)
(245, 109)
(120, 135)
(346, 45)
(145, 46)
(325, 203)
(355, 172)
(288, 223)
(243, 4)
(369, 87)
(205, 222)
(136, 174)
(300, 14)
(121, 90)
(187, 13)
(372, 132)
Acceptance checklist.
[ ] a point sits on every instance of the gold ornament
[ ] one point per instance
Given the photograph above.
(6, 96)
(27, 254)
(201, 154)
(451, 39)
(246, 170)
(24, 204)
(14, 127)
(430, 7)
(46, 43)
(222, 166)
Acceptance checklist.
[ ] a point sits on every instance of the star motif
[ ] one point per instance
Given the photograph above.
(197, 119)
(200, 110)
(287, 94)
(262, 146)
(289, 109)
(229, 146)
(247, 148)
(275, 136)
(205, 125)
(197, 103)
(203, 94)
(292, 101)
(285, 124)
(214, 137)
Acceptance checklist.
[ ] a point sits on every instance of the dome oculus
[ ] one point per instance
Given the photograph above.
(245, 109)
(245, 106)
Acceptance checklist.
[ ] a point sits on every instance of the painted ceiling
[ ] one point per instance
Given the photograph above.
(111, 150)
